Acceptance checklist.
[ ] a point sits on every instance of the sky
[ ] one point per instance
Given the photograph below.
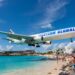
(34, 16)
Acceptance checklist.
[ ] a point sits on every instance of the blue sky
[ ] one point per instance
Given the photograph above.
(35, 16)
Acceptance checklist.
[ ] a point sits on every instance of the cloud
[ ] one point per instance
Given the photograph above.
(70, 47)
(9, 47)
(52, 10)
(2, 2)
(48, 11)
(61, 45)
(1, 48)
(54, 46)
(46, 26)
(6, 48)
(46, 47)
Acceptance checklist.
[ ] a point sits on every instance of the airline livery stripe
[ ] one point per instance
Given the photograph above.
(57, 32)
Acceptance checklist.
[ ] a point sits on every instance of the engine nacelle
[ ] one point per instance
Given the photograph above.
(16, 41)
(47, 42)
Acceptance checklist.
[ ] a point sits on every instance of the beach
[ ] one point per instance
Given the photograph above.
(46, 68)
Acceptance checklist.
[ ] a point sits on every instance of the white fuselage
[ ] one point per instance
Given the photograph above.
(56, 34)
(47, 36)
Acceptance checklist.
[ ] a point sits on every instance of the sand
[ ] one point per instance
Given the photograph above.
(47, 68)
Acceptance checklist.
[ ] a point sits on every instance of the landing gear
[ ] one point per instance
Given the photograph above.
(34, 45)
(31, 44)
(37, 45)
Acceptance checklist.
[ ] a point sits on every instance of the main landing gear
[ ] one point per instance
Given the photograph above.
(34, 45)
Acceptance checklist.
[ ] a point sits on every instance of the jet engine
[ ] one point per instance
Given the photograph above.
(47, 42)
(12, 40)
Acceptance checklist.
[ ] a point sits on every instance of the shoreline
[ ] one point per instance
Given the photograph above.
(46, 68)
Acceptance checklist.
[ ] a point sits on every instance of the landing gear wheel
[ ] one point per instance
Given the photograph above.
(37, 45)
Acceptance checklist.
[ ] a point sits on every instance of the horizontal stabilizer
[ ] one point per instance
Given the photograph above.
(11, 31)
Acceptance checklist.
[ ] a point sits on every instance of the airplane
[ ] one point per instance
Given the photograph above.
(41, 38)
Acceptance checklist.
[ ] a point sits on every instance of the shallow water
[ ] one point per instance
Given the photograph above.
(17, 62)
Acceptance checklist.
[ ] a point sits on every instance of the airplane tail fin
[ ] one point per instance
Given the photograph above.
(11, 31)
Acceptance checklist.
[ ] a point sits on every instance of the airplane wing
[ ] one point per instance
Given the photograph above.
(16, 36)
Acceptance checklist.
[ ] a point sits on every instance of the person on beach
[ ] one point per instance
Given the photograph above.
(70, 66)
(57, 56)
(64, 73)
(73, 63)
(65, 67)
(63, 58)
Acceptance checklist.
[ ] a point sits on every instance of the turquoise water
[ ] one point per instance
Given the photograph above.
(16, 62)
